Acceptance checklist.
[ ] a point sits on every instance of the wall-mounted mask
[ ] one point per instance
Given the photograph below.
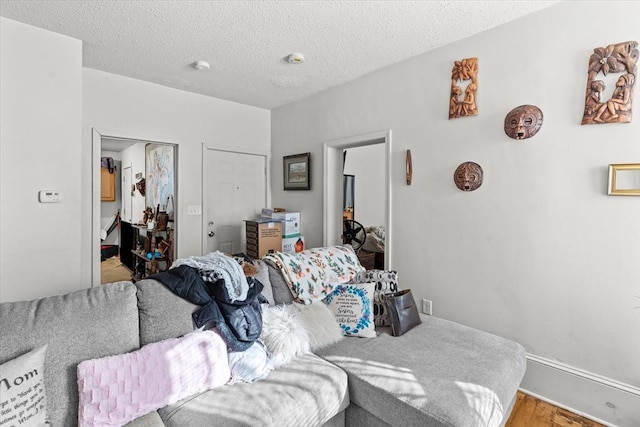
(523, 122)
(468, 176)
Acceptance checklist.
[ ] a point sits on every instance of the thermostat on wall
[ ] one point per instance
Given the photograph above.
(49, 196)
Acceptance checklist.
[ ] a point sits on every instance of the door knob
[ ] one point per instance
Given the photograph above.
(211, 234)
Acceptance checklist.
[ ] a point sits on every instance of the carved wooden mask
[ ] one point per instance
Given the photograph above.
(615, 58)
(523, 122)
(468, 176)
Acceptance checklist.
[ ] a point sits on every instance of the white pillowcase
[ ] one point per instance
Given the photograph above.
(321, 325)
(290, 330)
(24, 390)
(250, 365)
(284, 333)
(352, 305)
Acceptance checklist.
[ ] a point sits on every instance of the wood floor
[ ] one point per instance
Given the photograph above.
(531, 412)
(112, 270)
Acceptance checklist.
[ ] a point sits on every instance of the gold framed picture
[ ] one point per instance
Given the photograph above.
(624, 179)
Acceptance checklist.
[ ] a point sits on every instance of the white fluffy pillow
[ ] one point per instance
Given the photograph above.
(284, 333)
(321, 325)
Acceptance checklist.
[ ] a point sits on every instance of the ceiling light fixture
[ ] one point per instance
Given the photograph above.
(296, 58)
(201, 65)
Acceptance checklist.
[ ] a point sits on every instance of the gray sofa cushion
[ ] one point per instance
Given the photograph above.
(263, 277)
(87, 324)
(307, 392)
(152, 419)
(163, 314)
(439, 373)
(281, 292)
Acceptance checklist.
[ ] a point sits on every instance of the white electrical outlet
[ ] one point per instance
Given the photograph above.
(194, 210)
(426, 306)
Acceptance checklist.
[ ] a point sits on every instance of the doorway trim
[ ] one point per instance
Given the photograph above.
(97, 134)
(333, 167)
(205, 171)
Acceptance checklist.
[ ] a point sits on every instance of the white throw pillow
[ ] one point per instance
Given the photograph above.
(284, 333)
(23, 400)
(321, 325)
(352, 306)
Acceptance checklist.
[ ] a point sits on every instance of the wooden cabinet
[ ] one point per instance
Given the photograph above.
(107, 185)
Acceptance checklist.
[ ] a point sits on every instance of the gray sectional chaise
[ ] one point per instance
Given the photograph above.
(438, 374)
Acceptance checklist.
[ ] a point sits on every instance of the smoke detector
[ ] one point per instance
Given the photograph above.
(201, 65)
(296, 58)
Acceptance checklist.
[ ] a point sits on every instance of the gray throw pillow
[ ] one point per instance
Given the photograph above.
(263, 277)
(281, 292)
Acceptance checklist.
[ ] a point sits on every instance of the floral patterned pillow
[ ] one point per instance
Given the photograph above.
(352, 305)
(312, 274)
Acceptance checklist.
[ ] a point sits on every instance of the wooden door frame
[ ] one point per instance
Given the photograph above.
(206, 168)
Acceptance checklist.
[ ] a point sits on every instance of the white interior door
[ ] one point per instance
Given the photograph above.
(236, 190)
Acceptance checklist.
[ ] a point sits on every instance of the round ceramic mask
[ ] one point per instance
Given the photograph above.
(468, 176)
(523, 122)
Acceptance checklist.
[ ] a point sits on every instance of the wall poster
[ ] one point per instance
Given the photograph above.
(160, 182)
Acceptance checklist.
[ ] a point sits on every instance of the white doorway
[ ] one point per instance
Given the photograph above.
(235, 189)
(116, 141)
(333, 187)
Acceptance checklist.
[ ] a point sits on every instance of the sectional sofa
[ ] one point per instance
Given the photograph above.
(438, 374)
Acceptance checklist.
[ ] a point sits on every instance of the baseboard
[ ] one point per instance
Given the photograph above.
(601, 399)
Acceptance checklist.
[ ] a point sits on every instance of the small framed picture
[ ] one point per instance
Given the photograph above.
(624, 179)
(297, 172)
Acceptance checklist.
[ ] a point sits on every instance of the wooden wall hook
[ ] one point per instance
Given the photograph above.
(409, 167)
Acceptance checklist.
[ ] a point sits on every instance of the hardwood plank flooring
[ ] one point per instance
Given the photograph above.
(531, 412)
(112, 270)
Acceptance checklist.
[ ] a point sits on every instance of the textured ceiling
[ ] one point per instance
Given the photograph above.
(247, 42)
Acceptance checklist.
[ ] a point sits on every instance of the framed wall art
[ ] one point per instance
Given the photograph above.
(624, 179)
(160, 174)
(297, 171)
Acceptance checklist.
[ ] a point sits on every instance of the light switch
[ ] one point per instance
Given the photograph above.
(49, 196)
(194, 210)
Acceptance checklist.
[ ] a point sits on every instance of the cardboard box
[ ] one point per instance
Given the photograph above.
(291, 223)
(293, 244)
(268, 212)
(263, 236)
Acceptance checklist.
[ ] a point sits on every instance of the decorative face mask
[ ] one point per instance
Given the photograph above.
(468, 176)
(523, 122)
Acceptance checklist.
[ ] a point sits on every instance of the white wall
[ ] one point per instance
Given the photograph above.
(539, 253)
(367, 165)
(117, 105)
(40, 119)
